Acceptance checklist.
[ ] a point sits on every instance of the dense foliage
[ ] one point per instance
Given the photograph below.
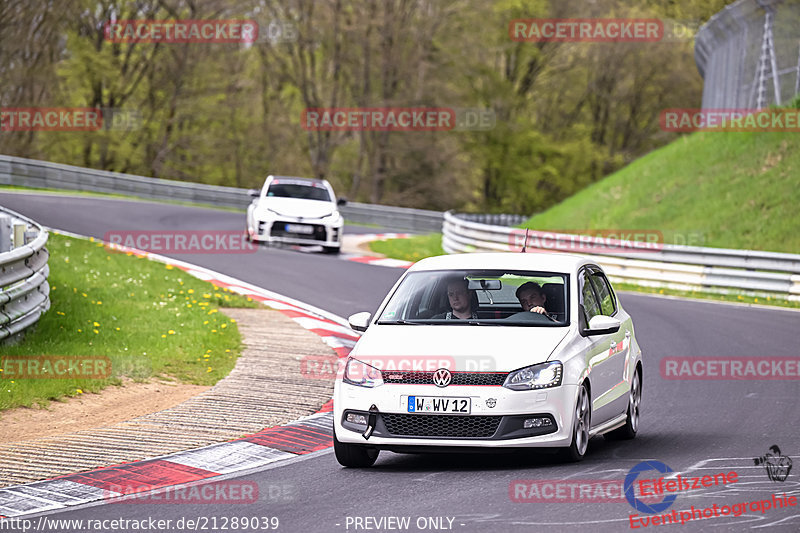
(567, 114)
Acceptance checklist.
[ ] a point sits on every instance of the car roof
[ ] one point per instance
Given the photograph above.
(310, 181)
(551, 262)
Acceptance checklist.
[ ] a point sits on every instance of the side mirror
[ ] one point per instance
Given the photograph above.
(255, 193)
(359, 321)
(602, 325)
(341, 201)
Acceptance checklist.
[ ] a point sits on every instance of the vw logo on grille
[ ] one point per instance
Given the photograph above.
(442, 377)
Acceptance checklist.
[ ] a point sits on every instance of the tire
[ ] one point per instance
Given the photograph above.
(354, 455)
(582, 415)
(631, 427)
(331, 249)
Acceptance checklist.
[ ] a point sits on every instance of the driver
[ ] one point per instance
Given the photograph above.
(532, 298)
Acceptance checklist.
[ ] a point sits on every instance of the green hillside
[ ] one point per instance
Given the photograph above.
(728, 190)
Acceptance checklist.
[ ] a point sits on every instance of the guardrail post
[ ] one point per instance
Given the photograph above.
(19, 235)
(5, 233)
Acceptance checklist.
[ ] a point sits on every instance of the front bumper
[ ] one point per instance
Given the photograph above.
(278, 231)
(500, 426)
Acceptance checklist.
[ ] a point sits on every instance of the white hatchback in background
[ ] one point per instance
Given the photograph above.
(421, 380)
(296, 211)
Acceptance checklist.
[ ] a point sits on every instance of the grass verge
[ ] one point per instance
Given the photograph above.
(718, 189)
(410, 249)
(149, 319)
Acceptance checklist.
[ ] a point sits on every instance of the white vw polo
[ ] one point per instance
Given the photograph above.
(479, 351)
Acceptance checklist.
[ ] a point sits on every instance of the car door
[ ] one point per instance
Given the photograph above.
(597, 351)
(619, 342)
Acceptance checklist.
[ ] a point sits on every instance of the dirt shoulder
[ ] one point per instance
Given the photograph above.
(111, 405)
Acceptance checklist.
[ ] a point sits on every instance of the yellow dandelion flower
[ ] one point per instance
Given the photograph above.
(224, 326)
(206, 322)
(171, 332)
(163, 336)
(190, 291)
(80, 331)
(99, 302)
(117, 329)
(84, 294)
(96, 325)
(169, 267)
(208, 370)
(96, 332)
(79, 391)
(213, 331)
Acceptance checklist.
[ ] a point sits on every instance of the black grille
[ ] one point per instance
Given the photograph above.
(441, 425)
(459, 378)
(279, 230)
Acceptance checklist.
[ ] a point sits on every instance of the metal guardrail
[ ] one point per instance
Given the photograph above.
(24, 291)
(44, 174)
(396, 218)
(647, 264)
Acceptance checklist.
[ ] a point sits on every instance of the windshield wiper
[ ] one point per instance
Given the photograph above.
(401, 321)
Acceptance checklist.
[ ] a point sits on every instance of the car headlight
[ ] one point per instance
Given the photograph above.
(359, 373)
(333, 216)
(540, 376)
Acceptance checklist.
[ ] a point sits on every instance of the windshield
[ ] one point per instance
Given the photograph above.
(298, 189)
(473, 297)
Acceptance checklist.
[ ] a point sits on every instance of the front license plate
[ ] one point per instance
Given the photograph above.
(299, 228)
(434, 404)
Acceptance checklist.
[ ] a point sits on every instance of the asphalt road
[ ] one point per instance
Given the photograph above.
(696, 427)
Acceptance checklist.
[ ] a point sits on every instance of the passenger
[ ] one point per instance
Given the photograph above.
(532, 298)
(463, 301)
